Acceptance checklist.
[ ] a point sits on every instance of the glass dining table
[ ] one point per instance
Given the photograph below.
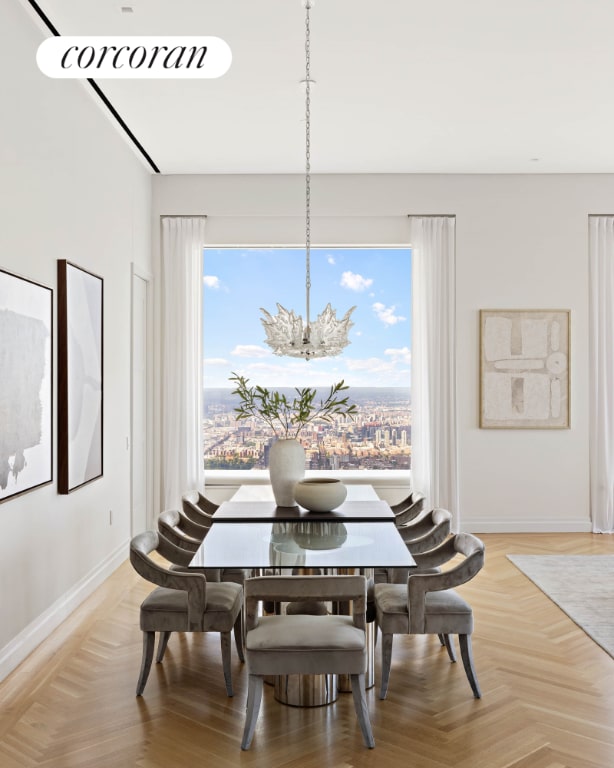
(249, 532)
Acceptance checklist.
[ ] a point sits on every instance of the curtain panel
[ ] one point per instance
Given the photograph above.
(183, 240)
(434, 408)
(601, 372)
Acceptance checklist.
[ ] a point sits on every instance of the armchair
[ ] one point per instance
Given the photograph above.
(183, 602)
(428, 604)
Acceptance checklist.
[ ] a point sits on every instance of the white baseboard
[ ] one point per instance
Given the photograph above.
(15, 651)
(525, 526)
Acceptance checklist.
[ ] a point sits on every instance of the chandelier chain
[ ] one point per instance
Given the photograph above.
(307, 164)
(287, 333)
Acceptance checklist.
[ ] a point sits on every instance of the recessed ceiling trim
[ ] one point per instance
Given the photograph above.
(101, 95)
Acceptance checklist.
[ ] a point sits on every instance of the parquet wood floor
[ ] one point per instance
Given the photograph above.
(548, 691)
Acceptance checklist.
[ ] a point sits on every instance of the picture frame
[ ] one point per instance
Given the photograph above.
(80, 376)
(26, 385)
(524, 368)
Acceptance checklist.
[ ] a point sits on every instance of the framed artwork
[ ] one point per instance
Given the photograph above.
(80, 360)
(524, 368)
(26, 382)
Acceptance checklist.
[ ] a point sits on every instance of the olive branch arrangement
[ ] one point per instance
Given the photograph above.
(285, 416)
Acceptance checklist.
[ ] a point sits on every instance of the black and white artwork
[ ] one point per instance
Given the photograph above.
(26, 403)
(80, 359)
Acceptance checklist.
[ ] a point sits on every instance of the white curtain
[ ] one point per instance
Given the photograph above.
(601, 371)
(433, 385)
(181, 371)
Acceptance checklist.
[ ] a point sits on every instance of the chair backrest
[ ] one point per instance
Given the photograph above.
(279, 589)
(420, 584)
(427, 532)
(195, 499)
(195, 584)
(171, 525)
(195, 513)
(410, 508)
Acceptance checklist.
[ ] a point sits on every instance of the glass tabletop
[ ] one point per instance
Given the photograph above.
(303, 544)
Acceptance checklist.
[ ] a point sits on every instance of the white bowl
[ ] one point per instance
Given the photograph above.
(320, 494)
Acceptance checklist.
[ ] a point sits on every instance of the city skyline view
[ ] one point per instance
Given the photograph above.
(237, 282)
(378, 437)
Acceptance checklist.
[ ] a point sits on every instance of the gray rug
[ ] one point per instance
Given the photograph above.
(581, 585)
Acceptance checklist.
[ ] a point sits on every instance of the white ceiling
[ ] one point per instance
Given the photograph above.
(436, 86)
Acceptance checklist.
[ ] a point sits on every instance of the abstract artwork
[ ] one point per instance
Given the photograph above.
(524, 368)
(80, 358)
(26, 359)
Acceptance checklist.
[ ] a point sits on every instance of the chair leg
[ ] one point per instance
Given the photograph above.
(360, 705)
(467, 656)
(225, 642)
(149, 639)
(254, 697)
(386, 661)
(162, 643)
(449, 644)
(238, 631)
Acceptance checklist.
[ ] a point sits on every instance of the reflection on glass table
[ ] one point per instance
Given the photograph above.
(311, 545)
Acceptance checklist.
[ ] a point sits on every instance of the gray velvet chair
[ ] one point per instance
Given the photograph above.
(428, 603)
(179, 529)
(422, 535)
(409, 508)
(182, 546)
(305, 644)
(183, 602)
(187, 536)
(426, 532)
(198, 507)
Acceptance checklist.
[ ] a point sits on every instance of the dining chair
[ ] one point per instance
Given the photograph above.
(428, 603)
(409, 508)
(424, 534)
(187, 536)
(183, 602)
(305, 644)
(197, 506)
(179, 529)
(427, 532)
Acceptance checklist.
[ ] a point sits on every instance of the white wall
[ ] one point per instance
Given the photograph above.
(521, 243)
(70, 188)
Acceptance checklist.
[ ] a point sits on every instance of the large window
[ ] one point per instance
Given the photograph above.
(237, 282)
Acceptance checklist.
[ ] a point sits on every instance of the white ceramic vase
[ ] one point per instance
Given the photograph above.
(286, 468)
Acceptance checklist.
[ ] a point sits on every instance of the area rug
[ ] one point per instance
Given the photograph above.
(581, 585)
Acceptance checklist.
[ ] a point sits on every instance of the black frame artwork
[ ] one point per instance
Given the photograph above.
(26, 385)
(80, 376)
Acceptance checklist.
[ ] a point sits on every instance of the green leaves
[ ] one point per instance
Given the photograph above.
(288, 417)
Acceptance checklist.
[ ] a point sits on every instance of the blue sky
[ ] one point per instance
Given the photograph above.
(237, 282)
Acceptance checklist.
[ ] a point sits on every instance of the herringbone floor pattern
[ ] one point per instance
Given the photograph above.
(548, 691)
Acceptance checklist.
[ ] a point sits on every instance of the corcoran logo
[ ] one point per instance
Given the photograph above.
(134, 57)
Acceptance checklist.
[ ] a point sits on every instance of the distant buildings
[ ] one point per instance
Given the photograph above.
(378, 438)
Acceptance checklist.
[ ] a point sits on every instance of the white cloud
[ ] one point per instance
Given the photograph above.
(211, 281)
(370, 364)
(215, 361)
(355, 282)
(331, 259)
(386, 314)
(250, 350)
(402, 355)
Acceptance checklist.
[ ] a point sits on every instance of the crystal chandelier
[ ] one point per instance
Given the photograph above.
(287, 333)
